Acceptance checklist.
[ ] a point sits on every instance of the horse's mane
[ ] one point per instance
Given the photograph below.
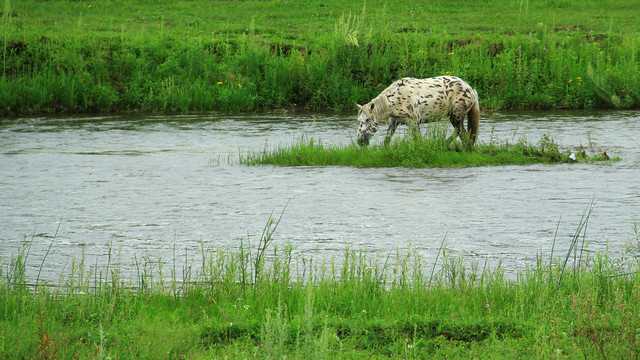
(380, 109)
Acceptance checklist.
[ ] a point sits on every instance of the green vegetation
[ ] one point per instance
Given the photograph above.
(431, 151)
(99, 56)
(271, 304)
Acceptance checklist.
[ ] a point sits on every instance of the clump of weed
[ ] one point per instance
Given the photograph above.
(434, 150)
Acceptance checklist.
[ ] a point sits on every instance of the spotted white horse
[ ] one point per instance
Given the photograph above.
(414, 101)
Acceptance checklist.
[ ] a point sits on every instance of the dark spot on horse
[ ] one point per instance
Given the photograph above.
(372, 106)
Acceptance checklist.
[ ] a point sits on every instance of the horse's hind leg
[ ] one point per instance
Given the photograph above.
(414, 125)
(466, 138)
(458, 128)
(393, 124)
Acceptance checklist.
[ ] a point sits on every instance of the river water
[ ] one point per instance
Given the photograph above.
(165, 185)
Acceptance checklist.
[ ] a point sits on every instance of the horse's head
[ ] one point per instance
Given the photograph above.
(367, 124)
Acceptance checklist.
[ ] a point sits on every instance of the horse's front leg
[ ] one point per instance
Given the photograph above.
(393, 124)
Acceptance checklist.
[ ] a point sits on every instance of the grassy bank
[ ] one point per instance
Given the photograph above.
(96, 56)
(431, 151)
(267, 303)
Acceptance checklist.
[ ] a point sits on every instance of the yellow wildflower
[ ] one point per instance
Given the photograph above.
(220, 83)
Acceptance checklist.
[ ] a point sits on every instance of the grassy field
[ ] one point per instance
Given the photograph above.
(266, 303)
(99, 56)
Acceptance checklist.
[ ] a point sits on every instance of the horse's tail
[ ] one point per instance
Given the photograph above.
(473, 120)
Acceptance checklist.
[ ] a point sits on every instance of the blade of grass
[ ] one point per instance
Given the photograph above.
(47, 253)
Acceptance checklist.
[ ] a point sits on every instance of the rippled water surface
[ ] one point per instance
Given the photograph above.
(164, 186)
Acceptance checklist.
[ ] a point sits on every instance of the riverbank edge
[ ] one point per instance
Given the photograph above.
(68, 73)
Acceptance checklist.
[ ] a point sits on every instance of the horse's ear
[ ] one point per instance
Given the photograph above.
(359, 106)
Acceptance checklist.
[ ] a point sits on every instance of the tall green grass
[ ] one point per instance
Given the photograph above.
(202, 56)
(231, 304)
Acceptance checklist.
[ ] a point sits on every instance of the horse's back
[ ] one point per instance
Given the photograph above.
(430, 98)
(445, 94)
